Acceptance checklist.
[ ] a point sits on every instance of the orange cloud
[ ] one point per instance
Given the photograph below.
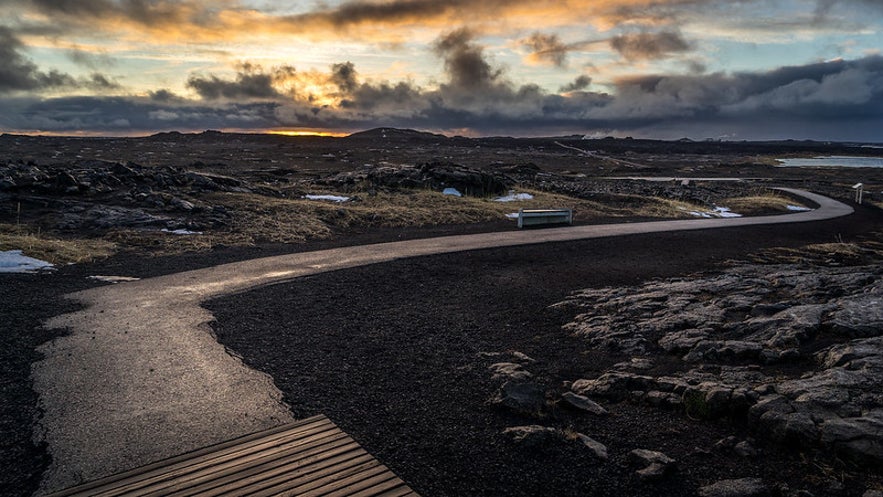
(382, 21)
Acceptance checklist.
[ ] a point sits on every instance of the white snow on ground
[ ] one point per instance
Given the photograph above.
(13, 261)
(514, 197)
(512, 215)
(330, 198)
(716, 212)
(452, 191)
(798, 208)
(699, 214)
(181, 232)
(724, 212)
(112, 279)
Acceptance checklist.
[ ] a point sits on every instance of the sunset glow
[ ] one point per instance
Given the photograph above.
(305, 133)
(655, 68)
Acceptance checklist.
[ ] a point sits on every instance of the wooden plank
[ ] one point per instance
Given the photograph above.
(344, 479)
(146, 483)
(267, 460)
(85, 489)
(304, 463)
(390, 488)
(374, 484)
(312, 457)
(284, 486)
(341, 461)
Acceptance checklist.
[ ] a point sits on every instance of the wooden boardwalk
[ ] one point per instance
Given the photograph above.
(312, 457)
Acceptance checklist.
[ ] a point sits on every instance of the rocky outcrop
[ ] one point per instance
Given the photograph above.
(100, 195)
(431, 175)
(92, 177)
(536, 436)
(729, 334)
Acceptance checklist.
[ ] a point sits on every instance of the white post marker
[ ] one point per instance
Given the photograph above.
(859, 190)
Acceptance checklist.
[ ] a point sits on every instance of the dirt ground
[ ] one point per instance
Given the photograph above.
(393, 353)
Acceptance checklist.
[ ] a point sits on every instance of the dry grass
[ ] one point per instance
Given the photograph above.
(261, 218)
(657, 207)
(760, 204)
(258, 218)
(51, 249)
(865, 251)
(161, 243)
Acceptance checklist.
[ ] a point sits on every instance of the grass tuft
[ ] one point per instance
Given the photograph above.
(51, 249)
(761, 204)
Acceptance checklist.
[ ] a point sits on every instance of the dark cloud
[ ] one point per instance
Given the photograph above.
(344, 76)
(824, 95)
(547, 48)
(246, 86)
(550, 49)
(465, 64)
(17, 73)
(696, 66)
(830, 100)
(100, 82)
(402, 11)
(145, 12)
(163, 95)
(54, 79)
(648, 46)
(396, 10)
(89, 59)
(580, 83)
(90, 8)
(830, 95)
(126, 115)
(251, 83)
(825, 7)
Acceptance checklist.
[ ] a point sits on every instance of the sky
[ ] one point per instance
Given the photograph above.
(732, 70)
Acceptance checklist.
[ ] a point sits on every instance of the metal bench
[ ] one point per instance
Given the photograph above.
(538, 217)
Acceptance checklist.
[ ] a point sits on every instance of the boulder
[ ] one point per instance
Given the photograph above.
(583, 403)
(654, 464)
(596, 448)
(860, 438)
(525, 398)
(742, 487)
(509, 370)
(533, 435)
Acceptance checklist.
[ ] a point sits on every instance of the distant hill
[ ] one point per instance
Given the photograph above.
(396, 134)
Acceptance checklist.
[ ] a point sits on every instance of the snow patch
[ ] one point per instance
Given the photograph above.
(724, 212)
(699, 214)
(452, 192)
(329, 198)
(112, 279)
(798, 208)
(181, 232)
(512, 215)
(720, 212)
(514, 197)
(13, 261)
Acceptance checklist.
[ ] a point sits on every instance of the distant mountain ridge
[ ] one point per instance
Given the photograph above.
(396, 134)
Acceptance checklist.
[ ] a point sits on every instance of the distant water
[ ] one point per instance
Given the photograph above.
(833, 161)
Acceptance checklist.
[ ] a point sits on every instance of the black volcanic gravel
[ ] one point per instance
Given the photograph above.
(388, 352)
(391, 353)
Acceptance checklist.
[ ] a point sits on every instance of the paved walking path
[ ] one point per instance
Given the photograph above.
(140, 376)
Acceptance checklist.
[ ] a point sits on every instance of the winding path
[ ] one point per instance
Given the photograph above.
(140, 376)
